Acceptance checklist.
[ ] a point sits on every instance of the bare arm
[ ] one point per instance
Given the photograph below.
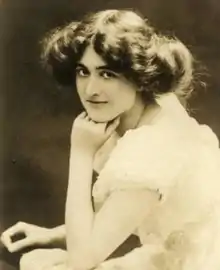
(91, 237)
(79, 215)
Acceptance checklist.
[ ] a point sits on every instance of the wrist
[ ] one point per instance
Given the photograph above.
(59, 230)
(58, 235)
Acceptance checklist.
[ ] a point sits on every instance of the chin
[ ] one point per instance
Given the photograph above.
(101, 118)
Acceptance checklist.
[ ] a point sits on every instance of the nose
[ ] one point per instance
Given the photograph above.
(92, 87)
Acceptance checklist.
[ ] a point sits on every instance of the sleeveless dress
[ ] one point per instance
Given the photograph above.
(179, 159)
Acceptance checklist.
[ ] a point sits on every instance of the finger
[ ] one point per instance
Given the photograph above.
(87, 118)
(6, 239)
(113, 125)
(82, 115)
(21, 244)
(16, 229)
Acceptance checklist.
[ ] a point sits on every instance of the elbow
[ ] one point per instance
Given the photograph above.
(81, 259)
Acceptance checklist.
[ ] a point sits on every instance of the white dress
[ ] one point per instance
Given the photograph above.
(180, 159)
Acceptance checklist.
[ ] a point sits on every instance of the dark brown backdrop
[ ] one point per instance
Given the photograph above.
(37, 115)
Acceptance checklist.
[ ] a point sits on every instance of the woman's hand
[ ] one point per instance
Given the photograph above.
(33, 235)
(88, 135)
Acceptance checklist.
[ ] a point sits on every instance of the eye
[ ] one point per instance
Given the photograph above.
(82, 72)
(106, 74)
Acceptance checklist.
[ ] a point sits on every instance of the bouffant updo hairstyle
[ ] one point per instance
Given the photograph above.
(156, 63)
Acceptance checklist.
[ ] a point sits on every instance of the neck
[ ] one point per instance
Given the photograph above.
(131, 118)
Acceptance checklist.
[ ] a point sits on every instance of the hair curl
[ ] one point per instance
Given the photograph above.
(157, 64)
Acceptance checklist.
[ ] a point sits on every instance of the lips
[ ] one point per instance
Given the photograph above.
(97, 102)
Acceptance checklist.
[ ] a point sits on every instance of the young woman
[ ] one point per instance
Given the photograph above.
(158, 168)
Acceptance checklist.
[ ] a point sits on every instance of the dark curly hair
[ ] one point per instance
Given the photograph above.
(157, 64)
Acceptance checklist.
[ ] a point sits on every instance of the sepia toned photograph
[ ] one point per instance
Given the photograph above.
(110, 120)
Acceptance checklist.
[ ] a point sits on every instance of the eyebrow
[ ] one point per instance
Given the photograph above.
(97, 68)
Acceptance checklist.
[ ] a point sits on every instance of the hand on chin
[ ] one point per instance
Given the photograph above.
(103, 120)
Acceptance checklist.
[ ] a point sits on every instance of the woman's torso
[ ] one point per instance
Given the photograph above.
(190, 210)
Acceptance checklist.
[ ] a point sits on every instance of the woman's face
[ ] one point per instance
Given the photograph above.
(104, 93)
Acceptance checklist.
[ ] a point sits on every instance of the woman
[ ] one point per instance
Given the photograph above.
(158, 168)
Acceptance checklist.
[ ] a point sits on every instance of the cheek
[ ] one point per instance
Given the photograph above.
(126, 98)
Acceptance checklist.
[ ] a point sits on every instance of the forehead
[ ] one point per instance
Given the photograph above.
(91, 59)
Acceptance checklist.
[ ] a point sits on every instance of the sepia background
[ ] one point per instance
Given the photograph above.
(37, 114)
